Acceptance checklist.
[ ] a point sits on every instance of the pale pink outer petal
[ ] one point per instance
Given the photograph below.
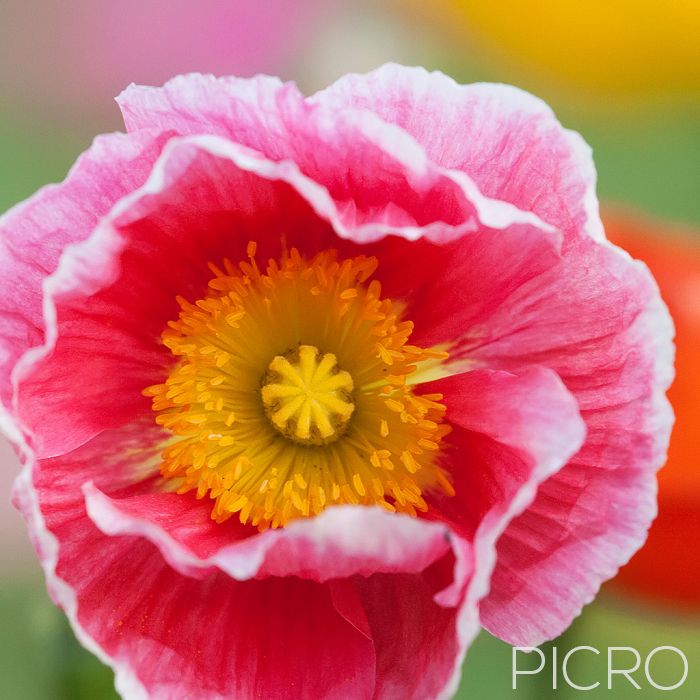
(537, 154)
(507, 141)
(587, 347)
(34, 234)
(591, 517)
(213, 626)
(597, 320)
(358, 157)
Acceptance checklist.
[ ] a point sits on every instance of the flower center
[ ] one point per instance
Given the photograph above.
(307, 397)
(294, 388)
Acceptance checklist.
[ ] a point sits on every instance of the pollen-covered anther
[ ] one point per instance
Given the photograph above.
(307, 397)
(293, 388)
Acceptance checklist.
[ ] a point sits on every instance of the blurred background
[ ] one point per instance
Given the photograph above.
(625, 73)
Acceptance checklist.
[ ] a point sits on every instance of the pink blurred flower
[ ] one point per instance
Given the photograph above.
(80, 54)
(443, 347)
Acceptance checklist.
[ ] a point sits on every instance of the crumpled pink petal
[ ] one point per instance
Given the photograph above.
(506, 140)
(34, 234)
(616, 359)
(511, 431)
(172, 619)
(373, 170)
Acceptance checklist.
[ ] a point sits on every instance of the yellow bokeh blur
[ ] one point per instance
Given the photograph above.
(615, 49)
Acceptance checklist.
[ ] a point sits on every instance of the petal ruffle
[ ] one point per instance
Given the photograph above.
(507, 141)
(511, 431)
(340, 542)
(34, 234)
(374, 170)
(215, 636)
(597, 320)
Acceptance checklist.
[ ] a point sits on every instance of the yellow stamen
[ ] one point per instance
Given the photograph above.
(291, 392)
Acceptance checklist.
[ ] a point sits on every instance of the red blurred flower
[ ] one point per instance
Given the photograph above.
(668, 566)
(396, 383)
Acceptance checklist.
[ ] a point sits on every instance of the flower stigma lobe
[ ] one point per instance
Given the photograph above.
(307, 397)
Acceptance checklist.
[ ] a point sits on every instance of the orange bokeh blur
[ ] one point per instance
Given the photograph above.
(667, 568)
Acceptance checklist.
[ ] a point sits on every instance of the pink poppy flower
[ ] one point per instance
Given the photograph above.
(310, 389)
